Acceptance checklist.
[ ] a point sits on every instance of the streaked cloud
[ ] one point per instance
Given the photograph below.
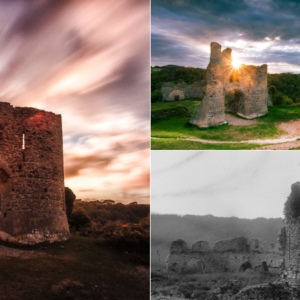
(89, 61)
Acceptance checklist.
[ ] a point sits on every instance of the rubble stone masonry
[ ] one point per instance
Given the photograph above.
(32, 197)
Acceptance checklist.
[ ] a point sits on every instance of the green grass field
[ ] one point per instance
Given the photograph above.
(95, 272)
(177, 127)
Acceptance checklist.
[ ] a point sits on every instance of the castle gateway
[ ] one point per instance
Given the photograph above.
(32, 196)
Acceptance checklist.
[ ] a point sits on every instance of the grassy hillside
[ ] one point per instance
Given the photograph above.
(80, 268)
(167, 228)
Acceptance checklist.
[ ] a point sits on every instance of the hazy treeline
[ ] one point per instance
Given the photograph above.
(167, 228)
(285, 85)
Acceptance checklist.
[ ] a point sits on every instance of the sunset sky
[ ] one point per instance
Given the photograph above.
(88, 61)
(258, 31)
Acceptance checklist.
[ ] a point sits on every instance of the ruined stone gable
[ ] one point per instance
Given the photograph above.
(245, 89)
(233, 255)
(32, 197)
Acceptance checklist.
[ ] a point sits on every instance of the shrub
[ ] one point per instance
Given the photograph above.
(156, 96)
(297, 100)
(79, 218)
(287, 100)
(278, 99)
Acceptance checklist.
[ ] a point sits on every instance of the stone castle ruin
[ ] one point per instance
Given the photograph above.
(176, 92)
(245, 89)
(238, 254)
(32, 196)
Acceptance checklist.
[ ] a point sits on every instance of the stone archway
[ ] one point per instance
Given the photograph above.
(193, 265)
(235, 101)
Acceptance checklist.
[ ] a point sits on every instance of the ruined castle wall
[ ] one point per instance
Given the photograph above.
(245, 88)
(182, 90)
(226, 256)
(211, 111)
(291, 249)
(32, 203)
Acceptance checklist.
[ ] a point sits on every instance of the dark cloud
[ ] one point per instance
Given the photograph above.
(180, 25)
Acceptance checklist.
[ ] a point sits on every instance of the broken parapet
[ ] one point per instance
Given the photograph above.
(226, 256)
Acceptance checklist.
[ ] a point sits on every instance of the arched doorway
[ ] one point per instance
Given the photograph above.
(235, 101)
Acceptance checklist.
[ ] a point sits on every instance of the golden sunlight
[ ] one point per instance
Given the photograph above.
(236, 64)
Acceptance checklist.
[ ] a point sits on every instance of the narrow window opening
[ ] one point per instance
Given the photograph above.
(5, 215)
(46, 190)
(20, 167)
(13, 190)
(23, 141)
(23, 156)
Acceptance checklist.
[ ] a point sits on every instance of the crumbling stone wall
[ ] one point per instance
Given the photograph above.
(245, 89)
(289, 240)
(32, 198)
(174, 92)
(225, 256)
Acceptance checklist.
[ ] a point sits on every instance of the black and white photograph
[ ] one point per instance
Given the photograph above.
(225, 225)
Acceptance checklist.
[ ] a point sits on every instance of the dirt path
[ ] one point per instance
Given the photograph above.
(292, 127)
(285, 146)
(287, 141)
(8, 252)
(236, 121)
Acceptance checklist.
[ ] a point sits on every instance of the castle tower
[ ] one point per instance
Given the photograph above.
(32, 197)
(289, 238)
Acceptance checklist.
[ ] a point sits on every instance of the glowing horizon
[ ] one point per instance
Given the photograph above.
(88, 61)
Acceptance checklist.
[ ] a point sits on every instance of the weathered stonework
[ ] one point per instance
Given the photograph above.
(233, 255)
(245, 89)
(176, 92)
(32, 197)
(211, 111)
(289, 239)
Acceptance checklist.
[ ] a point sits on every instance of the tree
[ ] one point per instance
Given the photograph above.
(70, 198)
(272, 90)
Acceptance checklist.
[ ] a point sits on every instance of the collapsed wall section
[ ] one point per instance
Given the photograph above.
(32, 199)
(233, 255)
(176, 92)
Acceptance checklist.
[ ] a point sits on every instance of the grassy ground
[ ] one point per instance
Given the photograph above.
(171, 144)
(178, 127)
(201, 286)
(76, 269)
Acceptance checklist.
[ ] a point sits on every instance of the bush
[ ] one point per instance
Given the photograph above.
(297, 100)
(156, 96)
(287, 100)
(79, 218)
(278, 99)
